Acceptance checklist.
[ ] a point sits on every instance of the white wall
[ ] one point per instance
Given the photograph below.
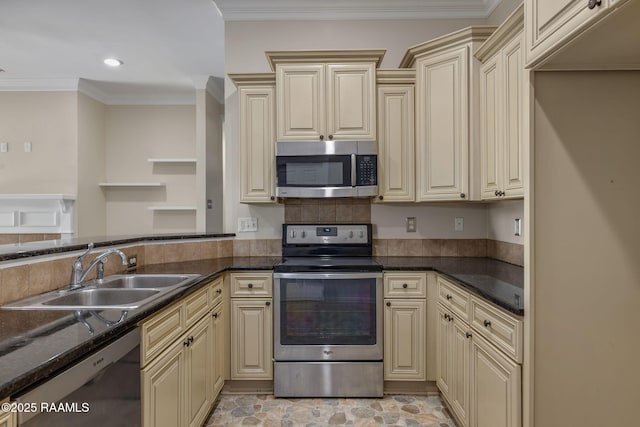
(502, 11)
(501, 221)
(49, 121)
(90, 205)
(135, 133)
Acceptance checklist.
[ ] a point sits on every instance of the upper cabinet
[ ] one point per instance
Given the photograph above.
(396, 146)
(256, 119)
(446, 114)
(326, 95)
(582, 34)
(502, 88)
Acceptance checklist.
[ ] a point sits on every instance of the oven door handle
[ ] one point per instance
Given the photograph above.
(328, 276)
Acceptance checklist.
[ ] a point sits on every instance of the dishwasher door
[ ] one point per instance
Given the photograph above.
(101, 390)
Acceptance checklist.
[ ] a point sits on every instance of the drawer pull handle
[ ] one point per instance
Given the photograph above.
(404, 285)
(215, 315)
(487, 323)
(468, 334)
(449, 297)
(446, 317)
(218, 291)
(267, 303)
(250, 285)
(593, 3)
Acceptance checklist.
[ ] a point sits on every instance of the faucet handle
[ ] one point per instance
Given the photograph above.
(85, 253)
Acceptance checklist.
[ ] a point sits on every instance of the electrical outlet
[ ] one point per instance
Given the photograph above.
(4, 147)
(458, 224)
(411, 224)
(518, 227)
(246, 225)
(132, 262)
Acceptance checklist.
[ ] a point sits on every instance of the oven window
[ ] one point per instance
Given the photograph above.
(314, 171)
(328, 311)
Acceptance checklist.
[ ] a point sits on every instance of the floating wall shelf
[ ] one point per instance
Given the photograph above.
(131, 184)
(172, 208)
(186, 160)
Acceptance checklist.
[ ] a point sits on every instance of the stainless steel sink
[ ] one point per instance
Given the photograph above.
(143, 281)
(101, 298)
(119, 292)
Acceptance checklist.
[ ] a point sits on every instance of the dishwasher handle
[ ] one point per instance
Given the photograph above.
(73, 378)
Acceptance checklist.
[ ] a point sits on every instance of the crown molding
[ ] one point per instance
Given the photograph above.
(510, 28)
(39, 85)
(324, 55)
(253, 79)
(404, 76)
(215, 87)
(323, 10)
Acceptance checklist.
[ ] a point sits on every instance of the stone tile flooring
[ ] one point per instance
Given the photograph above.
(265, 410)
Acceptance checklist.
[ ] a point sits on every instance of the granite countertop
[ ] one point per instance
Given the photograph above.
(36, 344)
(69, 244)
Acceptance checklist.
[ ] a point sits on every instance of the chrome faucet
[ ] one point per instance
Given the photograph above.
(79, 274)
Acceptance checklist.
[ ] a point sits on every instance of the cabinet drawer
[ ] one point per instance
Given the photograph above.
(216, 292)
(454, 298)
(196, 306)
(161, 331)
(403, 285)
(251, 284)
(502, 329)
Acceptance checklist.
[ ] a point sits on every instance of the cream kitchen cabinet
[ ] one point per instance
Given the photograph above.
(219, 326)
(447, 114)
(405, 326)
(8, 419)
(478, 359)
(326, 95)
(553, 24)
(181, 358)
(502, 132)
(396, 143)
(251, 326)
(257, 136)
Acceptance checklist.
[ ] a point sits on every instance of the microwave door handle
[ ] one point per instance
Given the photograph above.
(353, 170)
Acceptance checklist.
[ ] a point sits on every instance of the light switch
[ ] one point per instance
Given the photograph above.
(4, 147)
(518, 227)
(246, 225)
(27, 147)
(411, 224)
(458, 224)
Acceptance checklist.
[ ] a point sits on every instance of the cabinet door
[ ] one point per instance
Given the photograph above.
(351, 102)
(513, 77)
(199, 373)
(552, 23)
(163, 390)
(301, 101)
(442, 126)
(219, 337)
(404, 340)
(443, 359)
(8, 419)
(251, 339)
(496, 397)
(396, 152)
(257, 142)
(491, 127)
(460, 351)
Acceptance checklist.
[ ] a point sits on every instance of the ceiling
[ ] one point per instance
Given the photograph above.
(169, 47)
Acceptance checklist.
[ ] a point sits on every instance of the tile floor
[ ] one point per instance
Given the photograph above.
(265, 410)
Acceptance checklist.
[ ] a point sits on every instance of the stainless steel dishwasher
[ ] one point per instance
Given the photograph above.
(102, 389)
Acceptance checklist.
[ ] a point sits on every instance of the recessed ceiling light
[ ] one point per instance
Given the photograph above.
(113, 62)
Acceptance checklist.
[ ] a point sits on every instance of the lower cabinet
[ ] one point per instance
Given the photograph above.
(251, 339)
(8, 419)
(251, 325)
(180, 381)
(480, 382)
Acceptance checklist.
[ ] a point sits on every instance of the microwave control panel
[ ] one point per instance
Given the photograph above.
(366, 170)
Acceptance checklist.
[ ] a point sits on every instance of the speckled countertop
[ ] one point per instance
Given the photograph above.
(36, 344)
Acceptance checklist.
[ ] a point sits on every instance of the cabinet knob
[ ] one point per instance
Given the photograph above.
(330, 136)
(495, 192)
(487, 323)
(250, 285)
(381, 197)
(215, 315)
(449, 297)
(321, 137)
(462, 195)
(593, 3)
(218, 291)
(272, 197)
(404, 285)
(446, 316)
(468, 334)
(267, 303)
(389, 304)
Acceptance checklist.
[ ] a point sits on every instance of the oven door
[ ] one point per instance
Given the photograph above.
(328, 316)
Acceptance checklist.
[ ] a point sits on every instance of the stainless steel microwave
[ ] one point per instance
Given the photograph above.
(326, 169)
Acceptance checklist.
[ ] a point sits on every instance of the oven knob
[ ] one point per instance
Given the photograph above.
(351, 234)
(293, 233)
(361, 234)
(304, 234)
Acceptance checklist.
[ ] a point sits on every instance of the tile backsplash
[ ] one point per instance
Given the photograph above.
(339, 211)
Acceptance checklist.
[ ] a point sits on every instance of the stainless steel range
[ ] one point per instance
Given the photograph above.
(328, 313)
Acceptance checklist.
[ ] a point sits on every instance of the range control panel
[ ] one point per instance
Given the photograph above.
(317, 234)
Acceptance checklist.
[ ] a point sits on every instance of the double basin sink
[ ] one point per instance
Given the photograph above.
(120, 292)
